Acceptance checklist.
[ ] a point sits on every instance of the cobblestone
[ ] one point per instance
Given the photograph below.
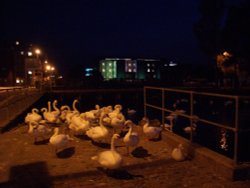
(24, 164)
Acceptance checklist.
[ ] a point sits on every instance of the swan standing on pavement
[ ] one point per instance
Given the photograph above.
(178, 153)
(38, 130)
(98, 133)
(48, 116)
(59, 141)
(79, 124)
(131, 139)
(150, 131)
(110, 159)
(33, 116)
(64, 110)
(70, 114)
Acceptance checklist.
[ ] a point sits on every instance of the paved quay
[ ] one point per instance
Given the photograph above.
(25, 164)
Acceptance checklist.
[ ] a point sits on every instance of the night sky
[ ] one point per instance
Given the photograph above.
(81, 31)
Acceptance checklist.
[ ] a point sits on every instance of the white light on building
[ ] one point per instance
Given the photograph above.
(171, 64)
(17, 81)
(29, 53)
(29, 72)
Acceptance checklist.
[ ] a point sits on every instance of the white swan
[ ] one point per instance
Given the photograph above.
(48, 116)
(178, 153)
(38, 130)
(117, 122)
(59, 141)
(171, 119)
(110, 159)
(98, 133)
(56, 110)
(64, 110)
(116, 111)
(70, 114)
(33, 116)
(131, 139)
(79, 123)
(150, 131)
(190, 129)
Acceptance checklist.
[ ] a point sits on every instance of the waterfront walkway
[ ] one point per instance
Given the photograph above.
(25, 164)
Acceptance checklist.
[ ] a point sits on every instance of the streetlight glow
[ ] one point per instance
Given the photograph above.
(48, 67)
(38, 51)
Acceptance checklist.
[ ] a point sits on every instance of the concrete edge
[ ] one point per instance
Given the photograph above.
(221, 165)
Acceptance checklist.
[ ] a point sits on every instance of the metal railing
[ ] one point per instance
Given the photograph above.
(224, 117)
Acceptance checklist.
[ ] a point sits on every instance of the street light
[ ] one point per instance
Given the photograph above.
(38, 51)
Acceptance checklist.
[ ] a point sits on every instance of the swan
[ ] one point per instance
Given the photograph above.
(33, 116)
(150, 131)
(70, 114)
(178, 153)
(117, 122)
(48, 116)
(64, 110)
(190, 129)
(56, 110)
(109, 159)
(131, 112)
(38, 130)
(59, 141)
(98, 133)
(117, 110)
(79, 123)
(132, 137)
(171, 118)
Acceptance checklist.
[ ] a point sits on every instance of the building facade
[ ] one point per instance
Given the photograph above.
(130, 69)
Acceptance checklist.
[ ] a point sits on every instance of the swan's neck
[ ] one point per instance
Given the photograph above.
(49, 106)
(146, 124)
(44, 110)
(112, 144)
(74, 105)
(65, 107)
(35, 110)
(54, 106)
(56, 132)
(130, 129)
(30, 128)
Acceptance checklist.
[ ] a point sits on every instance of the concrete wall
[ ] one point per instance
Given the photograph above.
(15, 102)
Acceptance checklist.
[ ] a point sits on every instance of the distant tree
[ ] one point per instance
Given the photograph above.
(221, 29)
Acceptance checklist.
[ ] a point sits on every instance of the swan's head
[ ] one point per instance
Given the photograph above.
(118, 107)
(116, 136)
(128, 123)
(44, 110)
(56, 130)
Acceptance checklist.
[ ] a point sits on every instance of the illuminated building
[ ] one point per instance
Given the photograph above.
(130, 69)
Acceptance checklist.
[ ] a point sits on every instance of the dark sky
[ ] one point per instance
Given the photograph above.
(80, 31)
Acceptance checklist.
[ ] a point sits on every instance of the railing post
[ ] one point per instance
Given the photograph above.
(163, 106)
(191, 114)
(144, 101)
(236, 130)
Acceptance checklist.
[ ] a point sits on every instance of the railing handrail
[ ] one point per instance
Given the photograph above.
(190, 116)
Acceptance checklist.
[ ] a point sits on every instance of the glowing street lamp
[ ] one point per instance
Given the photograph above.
(38, 51)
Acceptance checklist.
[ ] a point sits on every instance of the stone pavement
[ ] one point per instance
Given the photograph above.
(25, 164)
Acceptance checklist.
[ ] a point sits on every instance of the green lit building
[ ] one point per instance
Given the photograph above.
(130, 69)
